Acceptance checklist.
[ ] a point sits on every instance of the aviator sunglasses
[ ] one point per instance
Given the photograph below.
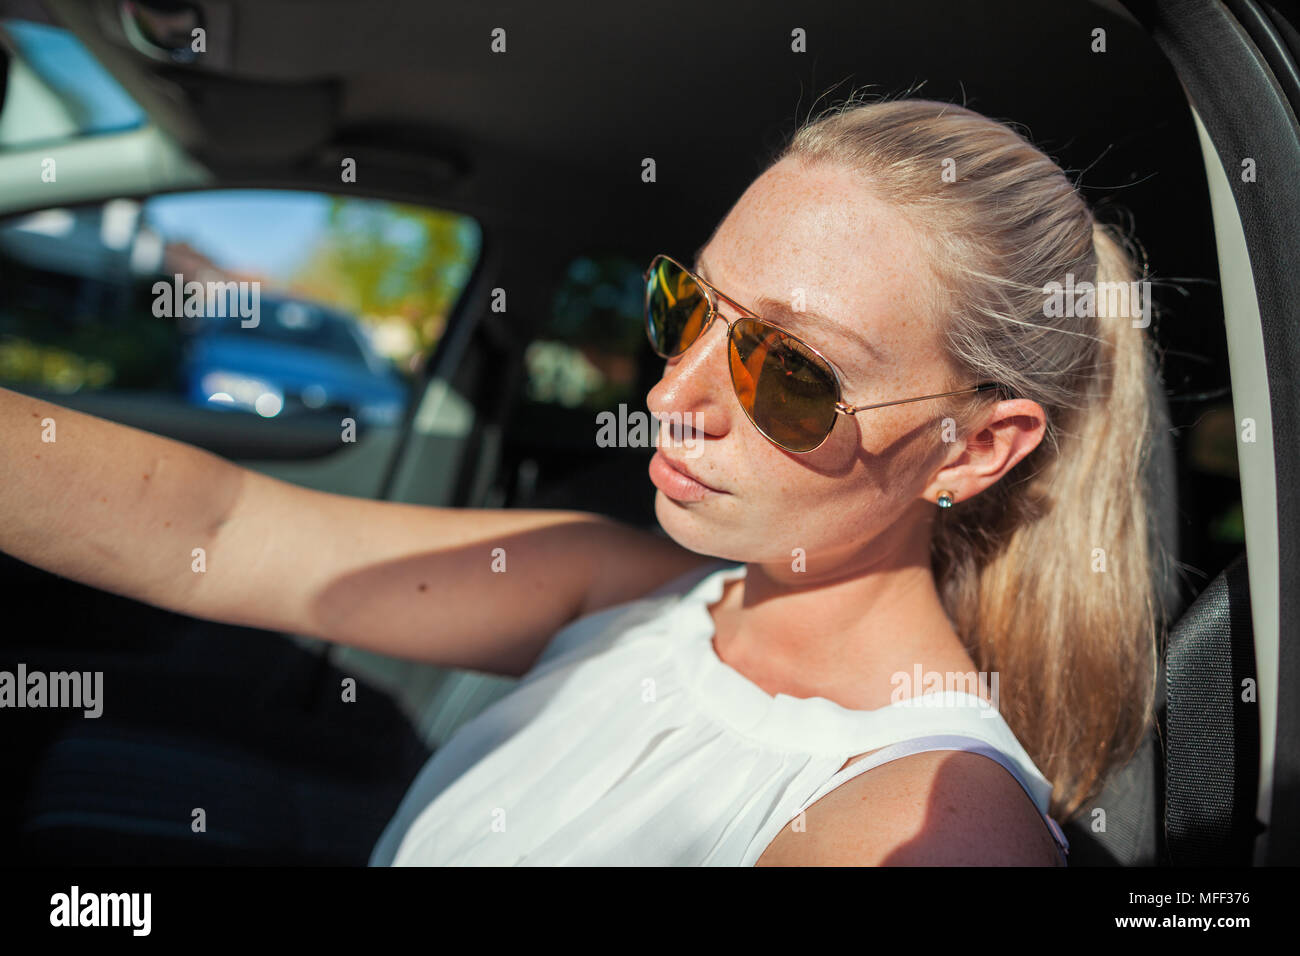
(788, 389)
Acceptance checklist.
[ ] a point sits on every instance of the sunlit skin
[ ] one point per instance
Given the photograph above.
(860, 506)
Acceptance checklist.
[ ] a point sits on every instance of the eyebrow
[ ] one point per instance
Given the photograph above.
(766, 305)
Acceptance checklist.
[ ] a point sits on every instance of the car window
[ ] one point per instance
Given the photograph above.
(586, 355)
(57, 90)
(296, 323)
(272, 303)
(589, 363)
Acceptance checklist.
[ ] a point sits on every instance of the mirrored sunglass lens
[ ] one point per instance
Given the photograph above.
(676, 309)
(787, 390)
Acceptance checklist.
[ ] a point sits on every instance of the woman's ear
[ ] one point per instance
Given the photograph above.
(1009, 431)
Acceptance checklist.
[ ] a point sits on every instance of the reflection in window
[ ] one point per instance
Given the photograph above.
(587, 355)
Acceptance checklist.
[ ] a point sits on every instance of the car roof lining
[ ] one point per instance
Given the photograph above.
(412, 71)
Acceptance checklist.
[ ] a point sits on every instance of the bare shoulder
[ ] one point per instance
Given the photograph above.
(939, 808)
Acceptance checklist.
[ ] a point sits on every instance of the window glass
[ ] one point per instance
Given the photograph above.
(57, 90)
(268, 302)
(587, 355)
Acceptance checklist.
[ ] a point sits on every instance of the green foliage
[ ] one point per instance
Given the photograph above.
(131, 351)
(1229, 527)
(380, 258)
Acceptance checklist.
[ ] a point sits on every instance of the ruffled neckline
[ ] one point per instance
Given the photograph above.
(803, 724)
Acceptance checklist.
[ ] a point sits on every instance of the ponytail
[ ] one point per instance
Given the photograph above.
(1060, 599)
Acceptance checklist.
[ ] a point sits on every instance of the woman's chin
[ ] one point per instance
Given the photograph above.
(690, 527)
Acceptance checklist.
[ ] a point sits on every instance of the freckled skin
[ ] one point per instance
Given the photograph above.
(861, 505)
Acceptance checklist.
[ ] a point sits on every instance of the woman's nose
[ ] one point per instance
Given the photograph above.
(697, 381)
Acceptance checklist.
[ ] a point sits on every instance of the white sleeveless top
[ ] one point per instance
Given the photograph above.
(630, 742)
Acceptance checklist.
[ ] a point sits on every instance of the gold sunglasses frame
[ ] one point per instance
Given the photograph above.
(712, 294)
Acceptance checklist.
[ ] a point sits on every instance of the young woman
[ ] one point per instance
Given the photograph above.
(906, 615)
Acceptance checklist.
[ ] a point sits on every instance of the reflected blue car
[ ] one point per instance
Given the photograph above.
(299, 357)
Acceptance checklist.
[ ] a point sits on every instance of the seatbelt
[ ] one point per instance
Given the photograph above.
(1212, 735)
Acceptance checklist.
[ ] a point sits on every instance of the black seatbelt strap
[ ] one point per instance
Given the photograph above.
(1211, 733)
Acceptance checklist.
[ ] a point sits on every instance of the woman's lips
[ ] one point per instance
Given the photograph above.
(669, 478)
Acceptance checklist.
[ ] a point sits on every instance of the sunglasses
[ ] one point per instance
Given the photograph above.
(789, 391)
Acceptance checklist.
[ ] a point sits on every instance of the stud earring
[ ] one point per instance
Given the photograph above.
(946, 499)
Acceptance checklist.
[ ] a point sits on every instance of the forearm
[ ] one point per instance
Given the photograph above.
(107, 505)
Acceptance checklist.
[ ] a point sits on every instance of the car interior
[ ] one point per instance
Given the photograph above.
(544, 154)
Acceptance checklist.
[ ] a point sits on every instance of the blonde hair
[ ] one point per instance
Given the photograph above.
(1049, 574)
